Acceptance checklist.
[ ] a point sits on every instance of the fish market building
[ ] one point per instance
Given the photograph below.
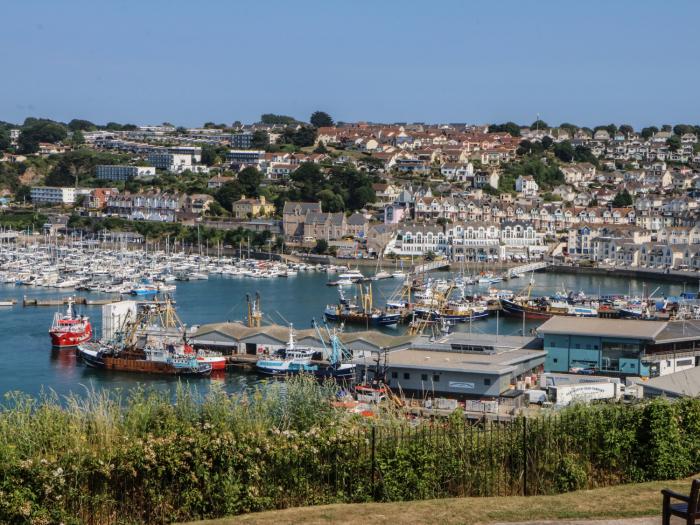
(620, 347)
(463, 365)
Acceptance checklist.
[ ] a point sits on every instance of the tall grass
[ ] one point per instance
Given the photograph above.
(142, 457)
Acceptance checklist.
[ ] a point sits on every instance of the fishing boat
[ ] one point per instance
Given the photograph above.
(348, 312)
(460, 312)
(292, 360)
(215, 359)
(338, 368)
(544, 308)
(155, 343)
(69, 330)
(8, 302)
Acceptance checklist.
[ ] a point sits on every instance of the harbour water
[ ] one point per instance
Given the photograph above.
(28, 364)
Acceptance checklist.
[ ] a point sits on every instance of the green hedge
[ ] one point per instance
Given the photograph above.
(146, 458)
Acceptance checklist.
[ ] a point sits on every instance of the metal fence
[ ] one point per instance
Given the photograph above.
(444, 459)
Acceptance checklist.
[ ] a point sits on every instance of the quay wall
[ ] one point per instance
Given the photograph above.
(674, 276)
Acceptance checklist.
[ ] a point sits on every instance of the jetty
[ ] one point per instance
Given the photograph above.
(61, 301)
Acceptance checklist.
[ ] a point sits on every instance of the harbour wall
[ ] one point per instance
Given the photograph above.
(636, 273)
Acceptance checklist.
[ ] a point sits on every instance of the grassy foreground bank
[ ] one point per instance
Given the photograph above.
(622, 501)
(146, 458)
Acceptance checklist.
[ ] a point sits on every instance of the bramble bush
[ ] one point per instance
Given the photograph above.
(142, 458)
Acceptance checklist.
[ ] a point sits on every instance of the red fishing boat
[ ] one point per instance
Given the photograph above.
(215, 359)
(68, 329)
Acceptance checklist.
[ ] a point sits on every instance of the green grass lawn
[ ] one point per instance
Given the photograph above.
(624, 501)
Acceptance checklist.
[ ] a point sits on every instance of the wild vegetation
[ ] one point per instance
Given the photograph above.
(145, 458)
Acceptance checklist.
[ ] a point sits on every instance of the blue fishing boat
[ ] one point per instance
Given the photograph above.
(293, 360)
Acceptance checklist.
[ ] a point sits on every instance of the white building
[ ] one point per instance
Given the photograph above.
(53, 195)
(117, 172)
(526, 185)
(175, 162)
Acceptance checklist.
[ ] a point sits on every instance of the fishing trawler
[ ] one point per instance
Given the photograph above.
(292, 360)
(338, 368)
(524, 305)
(69, 330)
(154, 342)
(347, 311)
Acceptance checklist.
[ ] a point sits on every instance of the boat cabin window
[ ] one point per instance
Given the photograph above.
(406, 375)
(487, 381)
(436, 378)
(394, 375)
(424, 377)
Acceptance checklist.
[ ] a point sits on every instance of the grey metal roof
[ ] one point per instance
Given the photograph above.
(683, 383)
(625, 328)
(679, 331)
(498, 363)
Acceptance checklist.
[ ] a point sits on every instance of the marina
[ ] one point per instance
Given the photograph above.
(297, 299)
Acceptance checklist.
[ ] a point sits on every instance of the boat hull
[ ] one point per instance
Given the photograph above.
(70, 339)
(512, 308)
(152, 367)
(383, 320)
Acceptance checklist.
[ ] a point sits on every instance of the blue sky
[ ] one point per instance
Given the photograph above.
(187, 62)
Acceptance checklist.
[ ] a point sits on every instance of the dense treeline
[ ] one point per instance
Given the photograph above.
(145, 459)
(190, 235)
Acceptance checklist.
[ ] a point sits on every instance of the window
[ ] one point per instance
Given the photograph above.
(436, 378)
(555, 360)
(394, 375)
(406, 375)
(424, 377)
(578, 345)
(487, 381)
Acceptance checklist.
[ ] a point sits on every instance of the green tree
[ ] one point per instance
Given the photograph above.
(77, 138)
(527, 147)
(649, 132)
(331, 201)
(228, 194)
(81, 125)
(539, 124)
(626, 130)
(321, 119)
(260, 140)
(308, 181)
(564, 151)
(622, 199)
(584, 154)
(5, 141)
(508, 127)
(321, 246)
(682, 129)
(303, 137)
(673, 142)
(213, 155)
(249, 180)
(271, 119)
(667, 127)
(41, 131)
(547, 142)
